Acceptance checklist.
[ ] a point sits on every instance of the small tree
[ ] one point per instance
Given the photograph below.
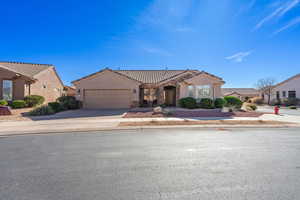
(266, 87)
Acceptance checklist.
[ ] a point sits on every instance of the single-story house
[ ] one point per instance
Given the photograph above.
(69, 90)
(132, 88)
(18, 80)
(241, 93)
(289, 88)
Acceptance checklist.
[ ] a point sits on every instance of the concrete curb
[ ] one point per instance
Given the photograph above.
(141, 128)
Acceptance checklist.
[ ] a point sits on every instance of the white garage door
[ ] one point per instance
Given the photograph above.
(116, 98)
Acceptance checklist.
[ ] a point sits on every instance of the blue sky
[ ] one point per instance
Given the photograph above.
(238, 40)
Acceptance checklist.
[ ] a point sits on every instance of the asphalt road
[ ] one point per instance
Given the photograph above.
(152, 164)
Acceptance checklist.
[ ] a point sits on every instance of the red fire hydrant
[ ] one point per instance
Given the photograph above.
(276, 110)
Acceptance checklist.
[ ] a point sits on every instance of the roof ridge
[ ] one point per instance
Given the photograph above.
(15, 62)
(155, 70)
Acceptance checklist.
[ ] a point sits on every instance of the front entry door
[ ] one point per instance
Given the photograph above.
(170, 95)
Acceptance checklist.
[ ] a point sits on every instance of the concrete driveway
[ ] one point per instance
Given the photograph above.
(84, 113)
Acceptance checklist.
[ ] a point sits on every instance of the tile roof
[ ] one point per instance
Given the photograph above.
(287, 80)
(150, 76)
(239, 90)
(27, 69)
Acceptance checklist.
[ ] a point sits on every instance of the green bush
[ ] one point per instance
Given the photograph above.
(206, 103)
(3, 103)
(188, 102)
(232, 101)
(69, 102)
(43, 110)
(18, 104)
(293, 107)
(55, 106)
(34, 100)
(291, 102)
(219, 102)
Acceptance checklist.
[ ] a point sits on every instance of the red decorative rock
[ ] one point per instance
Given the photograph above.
(4, 110)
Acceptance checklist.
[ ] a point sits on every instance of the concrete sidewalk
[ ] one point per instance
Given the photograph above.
(93, 124)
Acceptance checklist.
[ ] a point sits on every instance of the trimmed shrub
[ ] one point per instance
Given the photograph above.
(69, 102)
(219, 102)
(34, 100)
(206, 103)
(188, 102)
(291, 102)
(55, 106)
(293, 107)
(43, 110)
(18, 104)
(257, 100)
(232, 101)
(3, 103)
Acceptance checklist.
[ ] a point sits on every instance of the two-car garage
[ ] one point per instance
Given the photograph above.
(107, 98)
(107, 89)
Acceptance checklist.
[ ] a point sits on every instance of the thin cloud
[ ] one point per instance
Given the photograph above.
(294, 22)
(239, 57)
(279, 12)
(289, 6)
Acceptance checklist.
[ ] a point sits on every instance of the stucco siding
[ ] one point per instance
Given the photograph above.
(47, 85)
(291, 85)
(202, 79)
(18, 84)
(107, 80)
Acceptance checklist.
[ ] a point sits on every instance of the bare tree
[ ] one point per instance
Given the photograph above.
(266, 87)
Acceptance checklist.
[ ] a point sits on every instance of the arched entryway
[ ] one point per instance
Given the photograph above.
(170, 95)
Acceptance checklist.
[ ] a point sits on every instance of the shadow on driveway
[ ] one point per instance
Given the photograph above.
(82, 113)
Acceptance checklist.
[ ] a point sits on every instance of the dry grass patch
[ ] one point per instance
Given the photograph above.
(204, 122)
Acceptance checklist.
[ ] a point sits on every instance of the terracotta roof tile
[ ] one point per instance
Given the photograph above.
(27, 69)
(239, 90)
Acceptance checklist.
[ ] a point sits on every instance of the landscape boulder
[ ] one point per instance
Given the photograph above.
(158, 109)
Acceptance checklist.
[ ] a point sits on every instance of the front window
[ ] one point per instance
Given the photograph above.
(150, 96)
(292, 94)
(277, 95)
(200, 91)
(283, 93)
(203, 91)
(7, 90)
(191, 91)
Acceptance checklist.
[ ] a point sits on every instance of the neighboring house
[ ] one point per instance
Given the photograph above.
(132, 88)
(241, 93)
(289, 88)
(69, 91)
(18, 80)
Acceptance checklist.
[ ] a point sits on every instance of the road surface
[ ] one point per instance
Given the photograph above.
(152, 164)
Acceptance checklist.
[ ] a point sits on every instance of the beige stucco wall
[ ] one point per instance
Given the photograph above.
(202, 79)
(292, 85)
(107, 80)
(18, 84)
(53, 87)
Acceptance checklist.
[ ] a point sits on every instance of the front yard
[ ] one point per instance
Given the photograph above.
(16, 115)
(191, 114)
